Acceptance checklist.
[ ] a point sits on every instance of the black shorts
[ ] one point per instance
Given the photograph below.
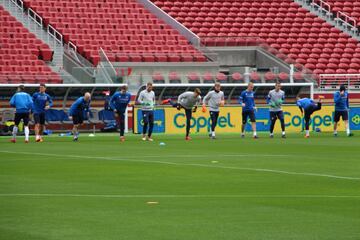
(23, 116)
(78, 119)
(343, 114)
(39, 118)
(277, 115)
(250, 114)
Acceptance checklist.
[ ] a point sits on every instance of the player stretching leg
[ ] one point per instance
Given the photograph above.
(23, 104)
(119, 102)
(341, 102)
(77, 110)
(214, 99)
(147, 100)
(275, 99)
(188, 101)
(40, 100)
(307, 107)
(247, 102)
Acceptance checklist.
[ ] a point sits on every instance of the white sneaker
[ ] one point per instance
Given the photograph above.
(144, 138)
(150, 139)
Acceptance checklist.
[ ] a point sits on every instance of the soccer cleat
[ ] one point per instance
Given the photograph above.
(350, 135)
(283, 136)
(242, 135)
(271, 136)
(38, 140)
(213, 137)
(307, 136)
(166, 101)
(150, 139)
(122, 139)
(335, 134)
(75, 139)
(187, 138)
(13, 140)
(255, 137)
(144, 138)
(41, 139)
(26, 141)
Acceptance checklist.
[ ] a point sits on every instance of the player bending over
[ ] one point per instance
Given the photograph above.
(247, 102)
(23, 104)
(42, 101)
(77, 111)
(147, 101)
(119, 102)
(189, 102)
(275, 99)
(307, 107)
(214, 99)
(341, 102)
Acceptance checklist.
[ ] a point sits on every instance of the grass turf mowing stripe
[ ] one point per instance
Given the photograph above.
(189, 164)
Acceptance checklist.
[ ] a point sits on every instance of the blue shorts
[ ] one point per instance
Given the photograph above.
(39, 118)
(250, 114)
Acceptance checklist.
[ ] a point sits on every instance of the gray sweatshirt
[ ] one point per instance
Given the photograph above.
(273, 100)
(147, 100)
(213, 99)
(188, 100)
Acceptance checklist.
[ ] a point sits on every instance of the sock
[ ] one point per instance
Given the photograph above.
(335, 132)
(348, 131)
(243, 133)
(37, 137)
(271, 134)
(283, 133)
(255, 133)
(307, 132)
(26, 130)
(213, 134)
(15, 130)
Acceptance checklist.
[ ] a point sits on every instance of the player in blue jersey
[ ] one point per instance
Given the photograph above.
(247, 102)
(42, 101)
(341, 101)
(23, 104)
(307, 107)
(77, 111)
(119, 102)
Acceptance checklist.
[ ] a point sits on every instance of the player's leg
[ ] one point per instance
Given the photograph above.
(188, 114)
(122, 126)
(146, 123)
(345, 117)
(77, 121)
(214, 117)
(17, 120)
(336, 121)
(25, 118)
(244, 119)
(307, 118)
(280, 116)
(42, 125)
(253, 123)
(273, 118)
(151, 125)
(37, 126)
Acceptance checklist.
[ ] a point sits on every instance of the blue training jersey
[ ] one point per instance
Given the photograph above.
(22, 102)
(305, 102)
(40, 100)
(119, 101)
(341, 102)
(79, 107)
(247, 98)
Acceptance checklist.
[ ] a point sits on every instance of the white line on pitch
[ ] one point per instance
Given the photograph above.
(187, 164)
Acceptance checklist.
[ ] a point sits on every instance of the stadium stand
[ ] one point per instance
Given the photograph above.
(350, 8)
(283, 24)
(124, 29)
(22, 55)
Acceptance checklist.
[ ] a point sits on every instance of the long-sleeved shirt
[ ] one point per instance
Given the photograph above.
(120, 101)
(275, 100)
(248, 99)
(22, 102)
(341, 101)
(304, 103)
(40, 100)
(188, 100)
(213, 99)
(147, 100)
(79, 107)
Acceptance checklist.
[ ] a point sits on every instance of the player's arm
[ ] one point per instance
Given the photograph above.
(112, 102)
(51, 103)
(198, 102)
(30, 103)
(13, 101)
(337, 97)
(140, 98)
(241, 100)
(348, 102)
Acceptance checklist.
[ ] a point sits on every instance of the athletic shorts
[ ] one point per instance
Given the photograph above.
(343, 114)
(277, 115)
(39, 118)
(78, 119)
(250, 114)
(23, 116)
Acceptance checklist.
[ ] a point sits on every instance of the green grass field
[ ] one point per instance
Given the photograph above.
(230, 188)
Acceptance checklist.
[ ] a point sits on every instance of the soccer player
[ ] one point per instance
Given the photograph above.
(23, 104)
(42, 101)
(214, 99)
(247, 102)
(341, 101)
(307, 107)
(77, 110)
(119, 102)
(275, 99)
(189, 102)
(147, 100)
